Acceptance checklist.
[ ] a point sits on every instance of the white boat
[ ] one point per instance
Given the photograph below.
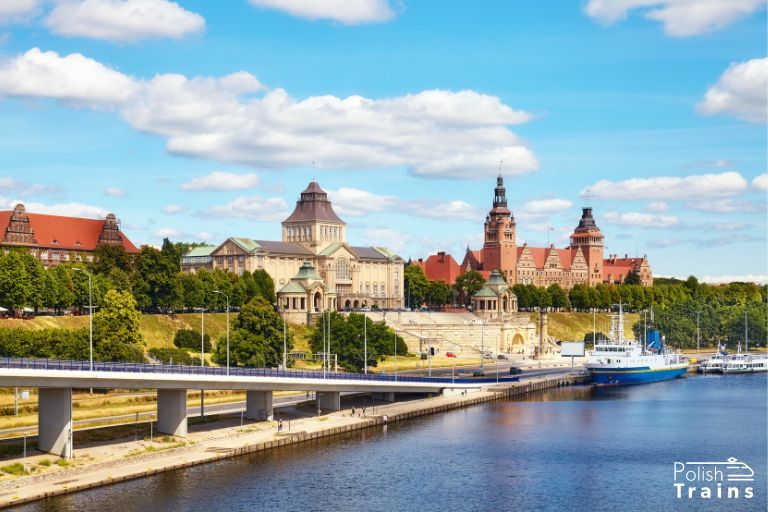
(746, 363)
(715, 363)
(617, 361)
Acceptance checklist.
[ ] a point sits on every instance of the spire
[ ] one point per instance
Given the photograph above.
(500, 199)
(587, 222)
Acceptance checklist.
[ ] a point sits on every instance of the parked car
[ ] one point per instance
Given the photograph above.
(514, 370)
(505, 357)
(488, 354)
(450, 354)
(478, 374)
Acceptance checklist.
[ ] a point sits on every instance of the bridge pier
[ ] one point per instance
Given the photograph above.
(258, 405)
(328, 400)
(388, 396)
(54, 415)
(172, 412)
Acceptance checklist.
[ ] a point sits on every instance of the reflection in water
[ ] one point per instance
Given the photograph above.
(564, 449)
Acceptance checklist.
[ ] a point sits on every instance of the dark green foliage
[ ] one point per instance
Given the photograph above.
(439, 293)
(416, 286)
(256, 337)
(597, 336)
(347, 340)
(468, 284)
(190, 338)
(174, 356)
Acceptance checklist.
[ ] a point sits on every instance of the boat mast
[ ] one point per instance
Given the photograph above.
(746, 334)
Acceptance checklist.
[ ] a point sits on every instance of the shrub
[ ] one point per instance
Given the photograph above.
(190, 338)
(177, 355)
(16, 469)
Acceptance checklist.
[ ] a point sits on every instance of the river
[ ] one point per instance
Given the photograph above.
(561, 450)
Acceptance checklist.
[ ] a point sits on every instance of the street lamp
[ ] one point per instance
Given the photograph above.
(90, 311)
(227, 297)
(365, 341)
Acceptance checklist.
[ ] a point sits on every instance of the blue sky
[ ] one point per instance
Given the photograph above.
(201, 120)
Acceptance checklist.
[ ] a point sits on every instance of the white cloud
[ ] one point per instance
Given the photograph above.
(707, 243)
(657, 206)
(63, 209)
(123, 20)
(222, 181)
(681, 18)
(546, 206)
(173, 209)
(205, 236)
(356, 203)
(434, 133)
(169, 233)
(74, 78)
(114, 192)
(349, 12)
(13, 10)
(761, 182)
(744, 278)
(727, 206)
(641, 220)
(255, 208)
(670, 187)
(741, 92)
(25, 189)
(387, 237)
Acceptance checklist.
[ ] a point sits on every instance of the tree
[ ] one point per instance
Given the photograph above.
(256, 338)
(15, 286)
(347, 340)
(416, 285)
(265, 286)
(467, 285)
(108, 257)
(632, 278)
(190, 338)
(116, 328)
(558, 297)
(155, 285)
(439, 293)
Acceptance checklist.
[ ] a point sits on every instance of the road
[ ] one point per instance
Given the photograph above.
(530, 369)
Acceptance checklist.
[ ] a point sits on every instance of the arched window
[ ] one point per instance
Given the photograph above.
(342, 269)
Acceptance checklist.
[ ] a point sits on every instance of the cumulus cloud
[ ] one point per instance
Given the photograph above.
(169, 233)
(433, 133)
(681, 18)
(743, 278)
(727, 206)
(641, 220)
(255, 208)
(546, 206)
(741, 92)
(13, 10)
(63, 209)
(387, 237)
(114, 192)
(761, 182)
(356, 203)
(222, 181)
(205, 236)
(671, 187)
(657, 206)
(24, 189)
(704, 243)
(73, 79)
(123, 20)
(348, 12)
(173, 209)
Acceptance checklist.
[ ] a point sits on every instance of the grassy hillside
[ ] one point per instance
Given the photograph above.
(158, 330)
(573, 326)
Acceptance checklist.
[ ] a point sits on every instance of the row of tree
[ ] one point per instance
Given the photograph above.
(153, 277)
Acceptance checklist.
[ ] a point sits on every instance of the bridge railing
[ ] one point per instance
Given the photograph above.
(234, 371)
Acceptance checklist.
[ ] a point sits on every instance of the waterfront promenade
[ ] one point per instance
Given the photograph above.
(102, 464)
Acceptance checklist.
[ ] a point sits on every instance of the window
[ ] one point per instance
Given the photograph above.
(342, 269)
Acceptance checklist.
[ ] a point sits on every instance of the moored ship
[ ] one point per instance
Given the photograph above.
(617, 361)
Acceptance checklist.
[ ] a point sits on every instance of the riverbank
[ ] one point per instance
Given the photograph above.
(99, 464)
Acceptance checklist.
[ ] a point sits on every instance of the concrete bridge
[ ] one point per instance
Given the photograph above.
(56, 379)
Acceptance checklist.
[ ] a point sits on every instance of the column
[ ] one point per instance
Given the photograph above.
(172, 412)
(387, 396)
(329, 400)
(258, 405)
(55, 421)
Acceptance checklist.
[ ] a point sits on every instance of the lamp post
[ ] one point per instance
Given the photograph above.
(90, 312)
(227, 297)
(202, 358)
(365, 341)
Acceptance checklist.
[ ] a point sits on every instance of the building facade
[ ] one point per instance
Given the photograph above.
(54, 239)
(582, 262)
(313, 254)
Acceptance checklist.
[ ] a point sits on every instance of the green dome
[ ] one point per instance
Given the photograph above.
(307, 271)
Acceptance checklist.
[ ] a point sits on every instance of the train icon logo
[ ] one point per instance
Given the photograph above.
(722, 479)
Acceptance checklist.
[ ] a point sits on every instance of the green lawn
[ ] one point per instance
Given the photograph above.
(573, 326)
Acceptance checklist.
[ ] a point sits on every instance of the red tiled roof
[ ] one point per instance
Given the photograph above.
(539, 255)
(59, 232)
(441, 267)
(619, 267)
(566, 256)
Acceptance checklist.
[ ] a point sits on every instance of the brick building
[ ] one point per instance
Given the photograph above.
(440, 267)
(582, 262)
(54, 238)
